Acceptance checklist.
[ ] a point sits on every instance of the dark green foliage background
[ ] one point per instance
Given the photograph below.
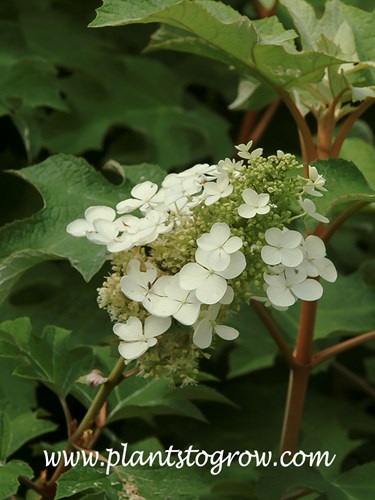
(68, 90)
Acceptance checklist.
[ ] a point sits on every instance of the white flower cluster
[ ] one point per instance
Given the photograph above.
(292, 263)
(201, 201)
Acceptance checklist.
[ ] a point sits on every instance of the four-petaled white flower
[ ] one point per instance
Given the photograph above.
(210, 285)
(283, 247)
(315, 183)
(254, 204)
(99, 225)
(169, 299)
(137, 284)
(136, 339)
(216, 190)
(143, 195)
(310, 209)
(244, 150)
(231, 167)
(315, 262)
(205, 328)
(219, 245)
(284, 288)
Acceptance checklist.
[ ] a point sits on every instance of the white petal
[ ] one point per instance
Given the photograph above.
(263, 199)
(291, 257)
(280, 296)
(97, 238)
(270, 255)
(127, 206)
(192, 275)
(132, 288)
(124, 243)
(202, 337)
(246, 211)
(308, 290)
(188, 313)
(79, 228)
(228, 296)
(132, 350)
(226, 332)
(290, 239)
(273, 236)
(156, 326)
(211, 189)
(160, 306)
(315, 247)
(211, 290)
(326, 269)
(106, 228)
(100, 212)
(144, 190)
(218, 259)
(220, 232)
(205, 242)
(129, 331)
(250, 197)
(233, 244)
(212, 199)
(213, 312)
(236, 266)
(263, 210)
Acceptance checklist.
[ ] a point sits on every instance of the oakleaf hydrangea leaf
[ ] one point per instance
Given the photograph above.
(217, 31)
(49, 357)
(68, 186)
(9, 473)
(23, 426)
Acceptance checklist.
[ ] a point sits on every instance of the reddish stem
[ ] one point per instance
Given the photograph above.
(325, 233)
(299, 378)
(341, 347)
(247, 126)
(265, 120)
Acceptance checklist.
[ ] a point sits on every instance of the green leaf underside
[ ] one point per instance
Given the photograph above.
(43, 236)
(47, 357)
(217, 31)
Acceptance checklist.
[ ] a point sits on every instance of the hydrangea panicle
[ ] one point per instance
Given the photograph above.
(204, 241)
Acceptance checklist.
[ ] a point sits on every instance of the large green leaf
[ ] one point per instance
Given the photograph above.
(20, 426)
(153, 107)
(95, 479)
(48, 357)
(68, 186)
(339, 32)
(9, 473)
(26, 80)
(13, 389)
(362, 154)
(217, 31)
(54, 293)
(344, 182)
